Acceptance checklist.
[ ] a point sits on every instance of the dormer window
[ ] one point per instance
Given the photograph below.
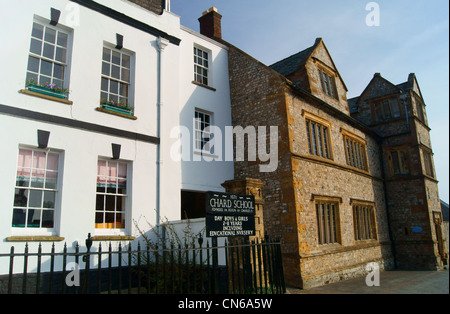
(386, 110)
(328, 84)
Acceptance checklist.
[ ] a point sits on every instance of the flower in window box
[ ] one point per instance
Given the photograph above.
(50, 89)
(116, 106)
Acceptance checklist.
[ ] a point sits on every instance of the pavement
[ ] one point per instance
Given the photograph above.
(390, 282)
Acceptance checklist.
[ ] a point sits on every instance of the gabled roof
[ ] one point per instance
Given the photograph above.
(410, 84)
(378, 77)
(353, 103)
(293, 63)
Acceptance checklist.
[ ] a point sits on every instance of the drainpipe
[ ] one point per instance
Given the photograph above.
(386, 204)
(161, 44)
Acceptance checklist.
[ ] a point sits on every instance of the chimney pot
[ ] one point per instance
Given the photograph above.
(210, 10)
(211, 23)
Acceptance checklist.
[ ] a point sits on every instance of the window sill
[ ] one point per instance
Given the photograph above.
(203, 85)
(205, 153)
(319, 158)
(34, 239)
(113, 238)
(330, 162)
(358, 169)
(39, 95)
(330, 97)
(123, 115)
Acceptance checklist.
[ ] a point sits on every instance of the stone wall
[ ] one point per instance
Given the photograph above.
(258, 99)
(333, 178)
(155, 6)
(412, 197)
(261, 97)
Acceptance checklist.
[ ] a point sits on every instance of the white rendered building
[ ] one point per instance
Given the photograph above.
(93, 151)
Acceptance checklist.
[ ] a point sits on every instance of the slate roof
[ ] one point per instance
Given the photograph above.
(292, 64)
(444, 208)
(353, 102)
(352, 105)
(404, 86)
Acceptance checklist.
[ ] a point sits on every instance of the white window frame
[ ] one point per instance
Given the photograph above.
(108, 76)
(202, 137)
(202, 66)
(31, 73)
(41, 231)
(126, 201)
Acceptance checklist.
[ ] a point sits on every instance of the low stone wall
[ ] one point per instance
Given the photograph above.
(343, 263)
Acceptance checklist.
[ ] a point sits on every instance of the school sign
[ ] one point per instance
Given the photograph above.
(229, 215)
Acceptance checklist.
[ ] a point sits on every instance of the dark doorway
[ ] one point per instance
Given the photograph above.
(192, 205)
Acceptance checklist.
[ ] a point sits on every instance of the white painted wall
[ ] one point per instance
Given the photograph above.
(204, 175)
(192, 175)
(81, 149)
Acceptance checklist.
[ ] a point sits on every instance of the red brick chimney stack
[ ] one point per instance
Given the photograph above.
(210, 24)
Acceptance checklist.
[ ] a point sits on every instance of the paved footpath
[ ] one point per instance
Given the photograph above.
(391, 282)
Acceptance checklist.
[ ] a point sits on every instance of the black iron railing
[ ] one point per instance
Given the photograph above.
(238, 266)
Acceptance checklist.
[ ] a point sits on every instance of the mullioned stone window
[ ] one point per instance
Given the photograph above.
(328, 84)
(428, 163)
(318, 134)
(328, 222)
(355, 152)
(399, 162)
(386, 109)
(364, 222)
(420, 110)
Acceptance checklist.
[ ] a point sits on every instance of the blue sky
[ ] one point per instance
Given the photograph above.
(412, 37)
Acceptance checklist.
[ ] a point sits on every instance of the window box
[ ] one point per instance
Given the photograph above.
(47, 91)
(117, 108)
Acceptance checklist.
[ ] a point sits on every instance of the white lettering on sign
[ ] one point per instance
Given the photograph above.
(232, 233)
(224, 203)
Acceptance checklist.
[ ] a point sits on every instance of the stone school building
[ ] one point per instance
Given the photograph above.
(355, 181)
